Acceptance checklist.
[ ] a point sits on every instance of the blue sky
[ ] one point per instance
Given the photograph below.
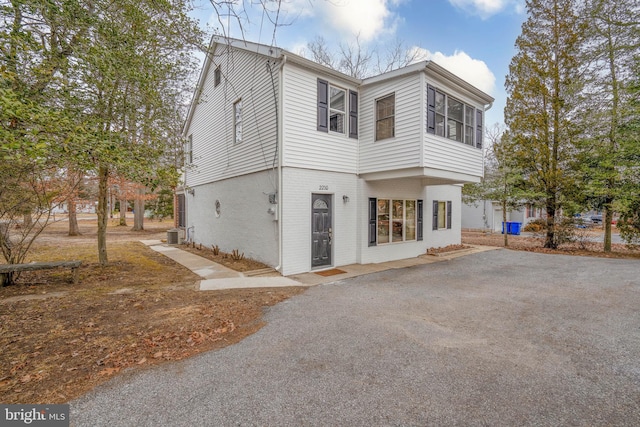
(472, 38)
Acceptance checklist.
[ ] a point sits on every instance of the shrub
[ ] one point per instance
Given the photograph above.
(535, 226)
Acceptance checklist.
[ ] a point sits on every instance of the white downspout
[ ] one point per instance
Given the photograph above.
(279, 141)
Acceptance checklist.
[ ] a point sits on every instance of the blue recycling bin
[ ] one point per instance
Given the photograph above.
(511, 227)
(515, 228)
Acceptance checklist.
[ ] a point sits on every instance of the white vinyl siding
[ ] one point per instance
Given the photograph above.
(304, 146)
(216, 156)
(442, 153)
(460, 158)
(403, 150)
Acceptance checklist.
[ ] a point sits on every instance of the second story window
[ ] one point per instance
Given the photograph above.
(237, 121)
(469, 113)
(216, 76)
(337, 109)
(386, 117)
(453, 119)
(337, 103)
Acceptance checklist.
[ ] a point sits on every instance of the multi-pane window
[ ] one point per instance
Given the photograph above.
(384, 209)
(441, 215)
(469, 116)
(385, 117)
(453, 119)
(337, 109)
(440, 113)
(237, 120)
(337, 104)
(217, 76)
(410, 220)
(396, 220)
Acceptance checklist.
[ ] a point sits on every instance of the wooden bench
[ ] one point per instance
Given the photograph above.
(5, 269)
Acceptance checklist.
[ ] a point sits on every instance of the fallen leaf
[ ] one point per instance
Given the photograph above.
(109, 371)
(142, 361)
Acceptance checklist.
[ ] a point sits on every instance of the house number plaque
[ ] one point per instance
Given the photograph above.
(323, 188)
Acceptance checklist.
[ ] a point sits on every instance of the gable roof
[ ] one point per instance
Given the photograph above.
(286, 56)
(430, 67)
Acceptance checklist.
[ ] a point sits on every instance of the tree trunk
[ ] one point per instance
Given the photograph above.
(73, 218)
(550, 241)
(606, 219)
(123, 212)
(103, 176)
(138, 210)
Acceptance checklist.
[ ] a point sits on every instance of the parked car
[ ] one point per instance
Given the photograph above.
(581, 222)
(596, 219)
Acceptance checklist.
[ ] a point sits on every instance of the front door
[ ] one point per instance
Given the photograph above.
(321, 230)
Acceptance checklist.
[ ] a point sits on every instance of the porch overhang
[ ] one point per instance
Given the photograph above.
(428, 176)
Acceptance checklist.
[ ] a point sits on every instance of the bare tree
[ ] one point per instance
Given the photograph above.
(356, 60)
(396, 56)
(321, 54)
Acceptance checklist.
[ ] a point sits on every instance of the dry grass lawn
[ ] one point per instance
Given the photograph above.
(59, 340)
(583, 246)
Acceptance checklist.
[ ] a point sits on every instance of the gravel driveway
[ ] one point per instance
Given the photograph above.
(496, 338)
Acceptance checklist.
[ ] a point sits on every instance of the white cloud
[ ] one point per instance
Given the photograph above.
(484, 8)
(462, 65)
(364, 18)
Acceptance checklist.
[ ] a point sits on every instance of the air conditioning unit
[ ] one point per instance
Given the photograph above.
(173, 236)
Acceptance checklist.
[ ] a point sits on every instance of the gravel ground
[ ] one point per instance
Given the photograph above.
(496, 338)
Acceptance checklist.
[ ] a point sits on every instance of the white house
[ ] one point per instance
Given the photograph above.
(304, 168)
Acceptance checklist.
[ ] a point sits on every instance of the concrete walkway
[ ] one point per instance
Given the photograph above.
(216, 276)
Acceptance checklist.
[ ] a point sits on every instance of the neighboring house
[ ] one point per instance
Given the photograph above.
(304, 168)
(487, 215)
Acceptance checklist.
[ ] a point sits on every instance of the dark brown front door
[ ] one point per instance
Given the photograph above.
(321, 230)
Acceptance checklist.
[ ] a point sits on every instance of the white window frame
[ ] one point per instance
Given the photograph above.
(391, 116)
(389, 226)
(442, 113)
(217, 76)
(335, 112)
(444, 221)
(442, 215)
